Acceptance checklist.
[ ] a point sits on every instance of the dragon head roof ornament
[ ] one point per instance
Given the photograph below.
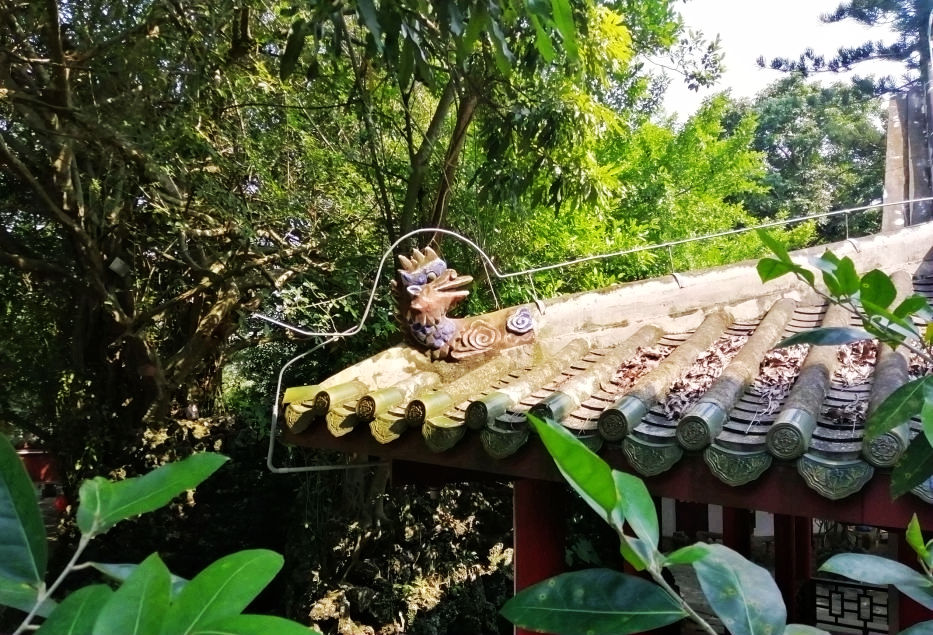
(426, 289)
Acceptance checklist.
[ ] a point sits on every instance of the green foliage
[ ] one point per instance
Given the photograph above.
(823, 150)
(594, 600)
(743, 595)
(869, 298)
(148, 599)
(105, 503)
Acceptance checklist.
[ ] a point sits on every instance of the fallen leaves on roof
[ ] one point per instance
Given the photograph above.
(856, 362)
(777, 374)
(687, 390)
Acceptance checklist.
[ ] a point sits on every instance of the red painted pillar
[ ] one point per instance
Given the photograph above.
(908, 611)
(737, 527)
(538, 516)
(792, 558)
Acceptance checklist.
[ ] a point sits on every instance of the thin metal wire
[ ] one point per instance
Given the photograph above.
(333, 336)
(487, 261)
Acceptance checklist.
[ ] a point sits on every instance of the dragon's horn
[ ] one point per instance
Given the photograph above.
(417, 255)
(430, 253)
(406, 263)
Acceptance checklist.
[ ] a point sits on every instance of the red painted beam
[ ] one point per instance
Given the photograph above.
(780, 490)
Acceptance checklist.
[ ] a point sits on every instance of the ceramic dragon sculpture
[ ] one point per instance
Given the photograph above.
(426, 289)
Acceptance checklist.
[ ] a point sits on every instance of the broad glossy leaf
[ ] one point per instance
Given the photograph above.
(923, 628)
(139, 605)
(637, 506)
(838, 273)
(23, 596)
(255, 625)
(687, 555)
(776, 246)
(771, 268)
(876, 287)
(222, 590)
(588, 474)
(914, 305)
(915, 539)
(827, 336)
(898, 408)
(293, 47)
(913, 468)
(803, 629)
(23, 549)
(120, 572)
(77, 612)
(367, 10)
(592, 601)
(899, 328)
(878, 570)
(104, 503)
(563, 20)
(742, 594)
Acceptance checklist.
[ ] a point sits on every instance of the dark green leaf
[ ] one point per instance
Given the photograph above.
(453, 19)
(876, 287)
(22, 596)
(915, 539)
(77, 612)
(803, 629)
(776, 246)
(923, 628)
(914, 305)
(588, 474)
(104, 504)
(222, 590)
(254, 625)
(370, 18)
(563, 20)
(23, 549)
(686, 555)
(742, 594)
(293, 47)
(898, 408)
(878, 570)
(771, 268)
(500, 47)
(406, 64)
(542, 39)
(839, 274)
(120, 572)
(139, 605)
(926, 412)
(913, 468)
(592, 601)
(476, 25)
(827, 336)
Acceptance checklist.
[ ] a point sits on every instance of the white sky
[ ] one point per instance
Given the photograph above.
(750, 28)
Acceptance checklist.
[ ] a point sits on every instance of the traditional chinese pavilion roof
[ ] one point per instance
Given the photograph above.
(671, 374)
